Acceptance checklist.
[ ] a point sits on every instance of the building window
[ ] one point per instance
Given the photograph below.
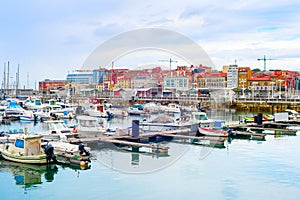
(172, 83)
(180, 83)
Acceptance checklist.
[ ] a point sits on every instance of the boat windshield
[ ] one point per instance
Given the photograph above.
(54, 126)
(201, 117)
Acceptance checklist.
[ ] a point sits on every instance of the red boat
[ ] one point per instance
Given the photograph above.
(212, 132)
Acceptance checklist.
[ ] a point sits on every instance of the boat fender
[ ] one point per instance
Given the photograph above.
(75, 129)
(82, 164)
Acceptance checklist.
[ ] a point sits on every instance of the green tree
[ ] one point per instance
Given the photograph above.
(256, 70)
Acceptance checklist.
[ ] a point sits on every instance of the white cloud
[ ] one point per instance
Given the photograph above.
(62, 34)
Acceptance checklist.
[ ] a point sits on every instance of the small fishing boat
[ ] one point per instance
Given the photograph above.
(212, 132)
(136, 111)
(98, 110)
(28, 115)
(27, 149)
(172, 108)
(67, 153)
(202, 119)
(293, 114)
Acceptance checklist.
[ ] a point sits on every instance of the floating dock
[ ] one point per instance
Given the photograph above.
(263, 127)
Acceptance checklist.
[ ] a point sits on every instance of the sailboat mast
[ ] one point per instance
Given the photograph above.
(4, 77)
(17, 80)
(7, 80)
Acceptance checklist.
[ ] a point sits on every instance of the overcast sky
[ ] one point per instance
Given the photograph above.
(50, 38)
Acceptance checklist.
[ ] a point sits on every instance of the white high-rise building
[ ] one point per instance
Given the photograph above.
(232, 76)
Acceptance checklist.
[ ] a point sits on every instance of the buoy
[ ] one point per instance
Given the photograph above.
(82, 164)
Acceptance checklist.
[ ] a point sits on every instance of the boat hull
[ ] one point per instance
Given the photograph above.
(212, 132)
(40, 159)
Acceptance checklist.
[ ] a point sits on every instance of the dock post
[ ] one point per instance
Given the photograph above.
(135, 128)
(259, 118)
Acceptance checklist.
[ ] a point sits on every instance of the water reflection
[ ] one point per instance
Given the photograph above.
(28, 175)
(31, 176)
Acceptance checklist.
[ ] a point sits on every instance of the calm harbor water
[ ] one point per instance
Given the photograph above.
(244, 169)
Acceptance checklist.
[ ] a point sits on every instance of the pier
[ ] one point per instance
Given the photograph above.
(144, 139)
(271, 105)
(275, 130)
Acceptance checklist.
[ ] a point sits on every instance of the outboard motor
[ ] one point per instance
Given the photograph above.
(82, 150)
(231, 133)
(54, 116)
(109, 114)
(49, 151)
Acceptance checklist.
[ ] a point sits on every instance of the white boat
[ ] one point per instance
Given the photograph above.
(88, 126)
(202, 119)
(293, 114)
(154, 108)
(28, 115)
(13, 111)
(117, 112)
(53, 112)
(136, 111)
(67, 153)
(58, 130)
(212, 132)
(163, 122)
(191, 108)
(98, 110)
(27, 149)
(33, 103)
(172, 108)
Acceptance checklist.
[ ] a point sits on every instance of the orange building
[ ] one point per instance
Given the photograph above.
(244, 73)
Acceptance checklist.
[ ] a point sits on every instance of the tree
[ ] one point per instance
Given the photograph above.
(255, 70)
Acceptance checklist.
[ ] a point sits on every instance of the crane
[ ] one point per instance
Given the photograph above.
(170, 62)
(265, 61)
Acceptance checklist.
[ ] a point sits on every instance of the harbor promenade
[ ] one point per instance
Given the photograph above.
(271, 105)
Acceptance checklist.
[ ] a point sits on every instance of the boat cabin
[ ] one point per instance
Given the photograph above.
(27, 145)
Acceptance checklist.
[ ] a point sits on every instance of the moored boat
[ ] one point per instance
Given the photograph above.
(88, 126)
(172, 108)
(67, 153)
(27, 149)
(58, 130)
(212, 132)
